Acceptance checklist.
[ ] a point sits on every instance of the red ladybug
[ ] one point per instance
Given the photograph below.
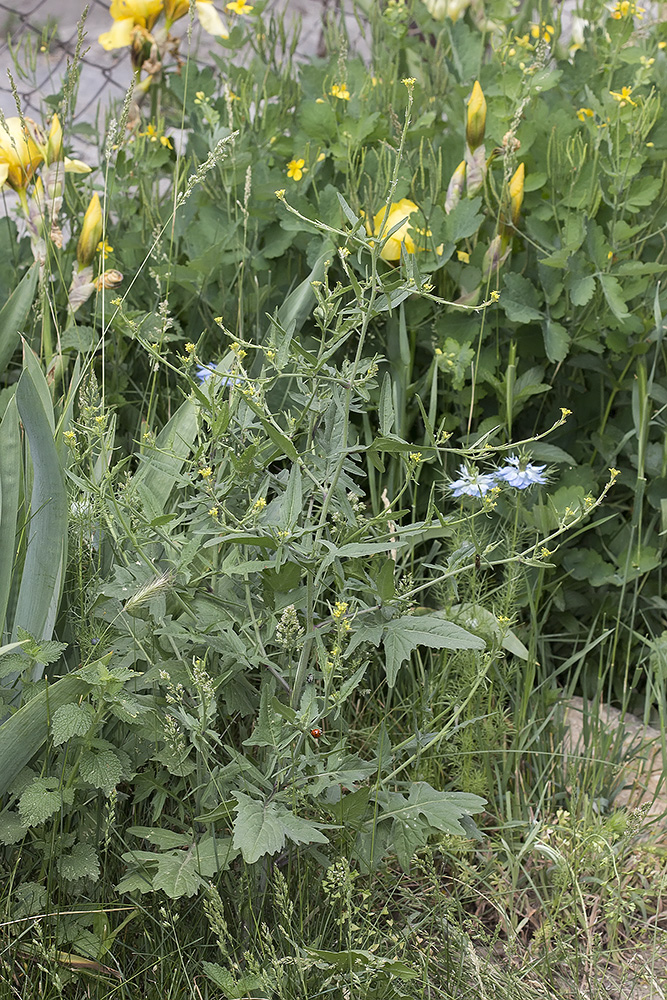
(316, 733)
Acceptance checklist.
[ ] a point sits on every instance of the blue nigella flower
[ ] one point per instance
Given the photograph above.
(472, 483)
(521, 475)
(205, 372)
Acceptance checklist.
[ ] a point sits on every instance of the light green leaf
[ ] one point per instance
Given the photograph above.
(162, 463)
(14, 314)
(464, 220)
(441, 810)
(269, 731)
(521, 300)
(614, 295)
(46, 550)
(260, 828)
(247, 986)
(81, 862)
(101, 769)
(386, 406)
(166, 839)
(12, 828)
(40, 800)
(10, 472)
(71, 720)
(292, 500)
(556, 340)
(582, 290)
(24, 732)
(404, 634)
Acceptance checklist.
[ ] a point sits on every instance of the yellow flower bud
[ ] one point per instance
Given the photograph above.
(455, 188)
(516, 192)
(476, 118)
(54, 145)
(91, 233)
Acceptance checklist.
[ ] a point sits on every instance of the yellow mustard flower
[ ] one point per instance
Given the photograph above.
(19, 154)
(623, 97)
(295, 169)
(626, 8)
(546, 31)
(104, 249)
(584, 113)
(340, 91)
(206, 472)
(239, 7)
(463, 256)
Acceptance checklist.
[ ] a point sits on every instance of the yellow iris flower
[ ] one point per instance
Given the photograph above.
(399, 211)
(131, 14)
(128, 15)
(19, 154)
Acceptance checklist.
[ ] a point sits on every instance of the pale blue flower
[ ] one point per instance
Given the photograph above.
(520, 474)
(472, 483)
(205, 372)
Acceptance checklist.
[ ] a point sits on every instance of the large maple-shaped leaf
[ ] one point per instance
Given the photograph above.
(261, 828)
(404, 634)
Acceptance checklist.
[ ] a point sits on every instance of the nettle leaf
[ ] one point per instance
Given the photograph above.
(81, 862)
(40, 800)
(521, 300)
(261, 828)
(102, 769)
(71, 720)
(404, 634)
(12, 829)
